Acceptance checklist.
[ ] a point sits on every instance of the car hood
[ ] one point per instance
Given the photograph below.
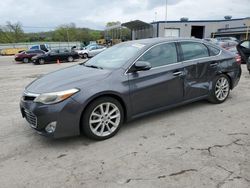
(77, 76)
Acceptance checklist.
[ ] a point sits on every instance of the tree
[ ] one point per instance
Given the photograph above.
(11, 33)
(109, 24)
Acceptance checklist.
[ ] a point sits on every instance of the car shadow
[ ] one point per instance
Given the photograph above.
(165, 113)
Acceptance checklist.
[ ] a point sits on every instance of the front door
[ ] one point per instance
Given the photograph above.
(160, 86)
(244, 50)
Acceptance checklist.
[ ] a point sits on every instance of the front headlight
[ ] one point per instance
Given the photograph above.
(55, 97)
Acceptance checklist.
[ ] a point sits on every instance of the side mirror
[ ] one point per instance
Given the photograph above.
(141, 66)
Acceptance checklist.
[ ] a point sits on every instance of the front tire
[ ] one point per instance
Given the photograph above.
(220, 90)
(102, 118)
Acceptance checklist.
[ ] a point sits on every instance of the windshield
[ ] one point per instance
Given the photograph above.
(115, 56)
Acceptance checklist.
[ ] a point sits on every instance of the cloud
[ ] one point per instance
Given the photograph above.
(47, 14)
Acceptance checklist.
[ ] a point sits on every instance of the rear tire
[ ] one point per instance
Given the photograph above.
(25, 60)
(70, 59)
(41, 61)
(102, 119)
(220, 89)
(85, 56)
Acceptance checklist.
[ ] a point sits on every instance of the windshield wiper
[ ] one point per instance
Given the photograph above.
(93, 66)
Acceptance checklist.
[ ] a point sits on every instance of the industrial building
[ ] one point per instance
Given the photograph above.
(194, 28)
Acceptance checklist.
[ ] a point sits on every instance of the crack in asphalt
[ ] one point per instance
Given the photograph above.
(208, 149)
(234, 134)
(162, 176)
(183, 171)
(227, 178)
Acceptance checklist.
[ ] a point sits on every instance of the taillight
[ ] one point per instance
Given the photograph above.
(238, 59)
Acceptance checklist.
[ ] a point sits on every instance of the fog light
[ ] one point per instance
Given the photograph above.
(51, 127)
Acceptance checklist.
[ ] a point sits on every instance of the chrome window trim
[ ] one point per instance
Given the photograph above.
(126, 71)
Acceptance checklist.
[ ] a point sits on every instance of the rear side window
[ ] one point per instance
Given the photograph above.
(34, 48)
(163, 54)
(193, 50)
(213, 51)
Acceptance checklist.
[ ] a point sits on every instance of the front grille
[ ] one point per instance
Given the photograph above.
(31, 118)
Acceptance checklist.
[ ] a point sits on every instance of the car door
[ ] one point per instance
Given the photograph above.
(160, 86)
(64, 54)
(99, 50)
(93, 51)
(197, 65)
(244, 50)
(53, 56)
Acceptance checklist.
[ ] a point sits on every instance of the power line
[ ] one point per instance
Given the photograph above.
(42, 27)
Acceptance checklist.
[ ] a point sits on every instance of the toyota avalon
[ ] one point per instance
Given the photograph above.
(127, 81)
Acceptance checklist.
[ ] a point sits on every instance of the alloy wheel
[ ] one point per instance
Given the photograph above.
(26, 60)
(85, 56)
(70, 59)
(104, 119)
(222, 89)
(41, 61)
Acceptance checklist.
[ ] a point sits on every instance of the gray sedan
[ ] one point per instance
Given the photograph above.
(127, 81)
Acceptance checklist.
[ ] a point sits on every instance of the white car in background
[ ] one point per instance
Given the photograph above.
(91, 51)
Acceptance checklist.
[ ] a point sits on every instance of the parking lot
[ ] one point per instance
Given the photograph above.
(197, 145)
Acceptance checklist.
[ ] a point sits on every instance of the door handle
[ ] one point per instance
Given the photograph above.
(178, 73)
(213, 64)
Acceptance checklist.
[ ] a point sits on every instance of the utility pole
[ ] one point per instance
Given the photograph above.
(68, 36)
(248, 27)
(166, 13)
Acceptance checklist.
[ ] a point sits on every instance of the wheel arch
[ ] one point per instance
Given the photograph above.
(230, 77)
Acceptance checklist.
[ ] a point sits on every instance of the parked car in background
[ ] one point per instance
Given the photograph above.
(226, 44)
(127, 81)
(43, 47)
(54, 55)
(212, 40)
(11, 51)
(26, 56)
(91, 51)
(227, 39)
(244, 50)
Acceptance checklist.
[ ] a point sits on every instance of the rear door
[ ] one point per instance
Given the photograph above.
(197, 69)
(244, 49)
(160, 86)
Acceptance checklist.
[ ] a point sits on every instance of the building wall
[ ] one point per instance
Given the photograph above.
(186, 27)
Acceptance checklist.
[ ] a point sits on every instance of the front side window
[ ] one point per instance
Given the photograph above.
(193, 50)
(161, 55)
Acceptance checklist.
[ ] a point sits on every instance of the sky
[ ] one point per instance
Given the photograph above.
(44, 15)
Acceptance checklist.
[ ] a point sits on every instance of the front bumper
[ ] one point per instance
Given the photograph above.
(66, 114)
